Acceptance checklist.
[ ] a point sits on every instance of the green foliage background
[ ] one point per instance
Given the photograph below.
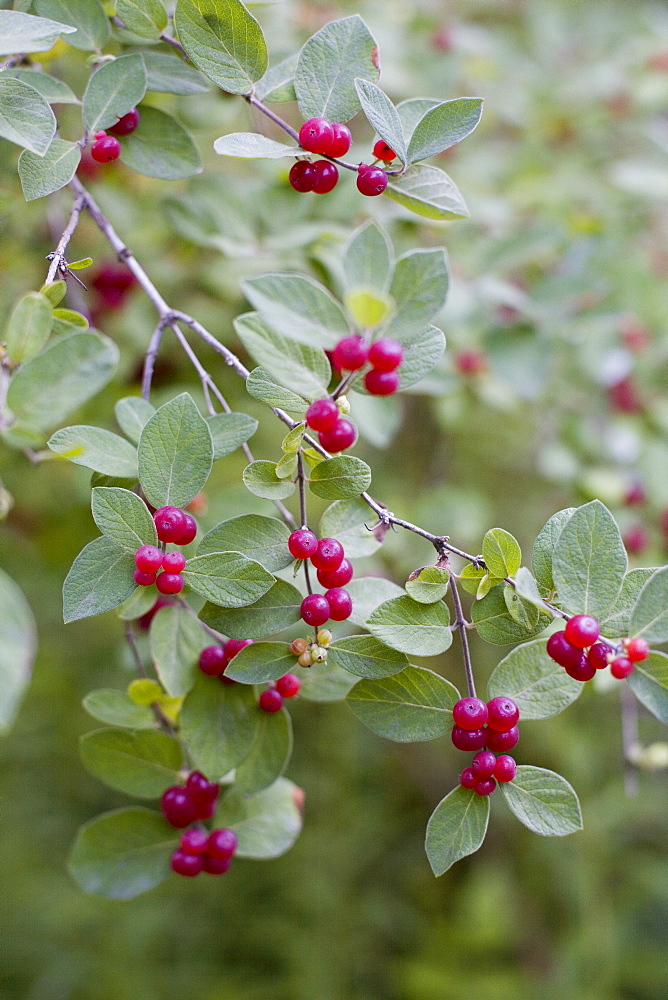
(566, 182)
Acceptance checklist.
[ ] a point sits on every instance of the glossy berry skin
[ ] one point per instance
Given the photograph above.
(336, 577)
(470, 713)
(598, 655)
(189, 531)
(562, 651)
(381, 383)
(582, 671)
(271, 700)
(621, 667)
(200, 789)
(316, 135)
(485, 787)
(350, 354)
(483, 764)
(125, 125)
(178, 807)
(467, 778)
(382, 151)
(302, 543)
(106, 149)
(148, 559)
(221, 844)
(323, 415)
(343, 435)
(173, 562)
(216, 866)
(340, 604)
(143, 579)
(169, 583)
(328, 555)
(340, 144)
(234, 646)
(505, 768)
(502, 714)
(326, 177)
(288, 685)
(465, 739)
(302, 175)
(212, 661)
(194, 841)
(315, 610)
(186, 864)
(582, 630)
(386, 354)
(637, 650)
(502, 742)
(170, 523)
(371, 181)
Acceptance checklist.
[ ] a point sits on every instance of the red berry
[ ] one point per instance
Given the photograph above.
(470, 362)
(205, 810)
(505, 768)
(635, 494)
(194, 841)
(483, 764)
(381, 383)
(234, 646)
(288, 685)
(341, 142)
(340, 604)
(145, 621)
(465, 739)
(598, 655)
(316, 135)
(189, 532)
(302, 175)
(323, 415)
(170, 523)
(328, 555)
(582, 630)
(173, 562)
(212, 661)
(470, 713)
(143, 579)
(382, 151)
(342, 436)
(100, 134)
(386, 354)
(350, 354)
(148, 559)
(485, 787)
(216, 866)
(371, 181)
(336, 577)
(582, 671)
(637, 649)
(178, 807)
(503, 714)
(635, 540)
(621, 667)
(315, 609)
(562, 651)
(106, 149)
(302, 543)
(200, 789)
(186, 864)
(221, 844)
(326, 176)
(271, 700)
(467, 778)
(169, 583)
(128, 123)
(501, 742)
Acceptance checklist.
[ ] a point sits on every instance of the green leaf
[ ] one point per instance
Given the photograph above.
(177, 639)
(415, 704)
(68, 321)
(168, 74)
(328, 66)
(18, 646)
(21, 32)
(495, 624)
(122, 853)
(261, 662)
(139, 603)
(253, 146)
(382, 115)
(175, 453)
(55, 291)
(340, 478)
(525, 613)
(29, 326)
(78, 265)
(410, 627)
(526, 587)
(589, 561)
(347, 520)
(224, 41)
(161, 147)
(543, 801)
(412, 111)
(423, 350)
(368, 593)
(324, 682)
(298, 307)
(365, 656)
(266, 824)
(228, 579)
(441, 127)
(123, 517)
(92, 24)
(540, 686)
(264, 539)
(53, 90)
(649, 683)
(25, 117)
(649, 617)
(260, 385)
(41, 176)
(278, 83)
(368, 259)
(428, 585)
(501, 552)
(218, 725)
(471, 580)
(419, 288)
(145, 18)
(456, 827)
(229, 431)
(97, 449)
(132, 414)
(291, 363)
(116, 709)
(429, 192)
(617, 621)
(263, 481)
(113, 90)
(100, 579)
(143, 764)
(367, 308)
(268, 756)
(543, 548)
(275, 611)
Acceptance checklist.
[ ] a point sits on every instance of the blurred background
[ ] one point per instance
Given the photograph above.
(552, 391)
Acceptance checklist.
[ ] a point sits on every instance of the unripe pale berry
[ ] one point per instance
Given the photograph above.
(371, 181)
(106, 149)
(386, 354)
(298, 646)
(323, 415)
(338, 577)
(582, 630)
(467, 778)
(143, 579)
(381, 383)
(470, 713)
(562, 651)
(503, 714)
(221, 844)
(483, 764)
(170, 523)
(340, 144)
(340, 604)
(305, 659)
(212, 660)
(328, 555)
(186, 864)
(637, 649)
(302, 543)
(315, 610)
(324, 637)
(178, 807)
(189, 531)
(173, 562)
(316, 135)
(505, 768)
(501, 742)
(271, 700)
(621, 667)
(465, 739)
(194, 841)
(326, 177)
(148, 559)
(350, 354)
(125, 125)
(582, 671)
(382, 151)
(598, 655)
(485, 787)
(302, 175)
(288, 685)
(234, 646)
(342, 436)
(169, 583)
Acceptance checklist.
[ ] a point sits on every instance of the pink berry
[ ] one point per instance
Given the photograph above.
(470, 713)
(635, 495)
(465, 739)
(342, 436)
(598, 655)
(106, 149)
(148, 559)
(341, 142)
(302, 543)
(336, 577)
(288, 685)
(503, 714)
(326, 176)
(505, 768)
(302, 175)
(323, 415)
(173, 562)
(386, 354)
(178, 807)
(143, 579)
(382, 151)
(582, 630)
(169, 583)
(170, 523)
(582, 671)
(501, 742)
(485, 787)
(562, 651)
(350, 354)
(271, 700)
(621, 667)
(371, 181)
(189, 531)
(216, 866)
(125, 125)
(100, 134)
(635, 540)
(470, 362)
(315, 609)
(200, 789)
(637, 649)
(381, 383)
(194, 841)
(316, 135)
(221, 844)
(467, 778)
(212, 661)
(234, 646)
(340, 604)
(483, 764)
(328, 555)
(186, 864)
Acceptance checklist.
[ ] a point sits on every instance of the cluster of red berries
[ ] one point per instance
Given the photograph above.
(333, 571)
(384, 355)
(567, 648)
(200, 851)
(196, 800)
(287, 686)
(485, 770)
(214, 660)
(492, 725)
(317, 135)
(107, 147)
(172, 525)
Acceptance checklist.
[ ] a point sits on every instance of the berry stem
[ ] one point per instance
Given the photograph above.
(301, 482)
(155, 707)
(461, 625)
(257, 103)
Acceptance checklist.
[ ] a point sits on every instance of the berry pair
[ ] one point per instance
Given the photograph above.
(149, 560)
(320, 176)
(200, 851)
(335, 433)
(492, 725)
(485, 770)
(174, 525)
(287, 686)
(318, 135)
(182, 805)
(333, 571)
(214, 660)
(107, 148)
(384, 356)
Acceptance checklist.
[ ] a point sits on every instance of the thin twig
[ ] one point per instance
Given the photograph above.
(303, 517)
(58, 263)
(157, 711)
(461, 625)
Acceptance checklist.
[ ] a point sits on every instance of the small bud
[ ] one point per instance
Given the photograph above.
(343, 405)
(324, 637)
(298, 646)
(305, 659)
